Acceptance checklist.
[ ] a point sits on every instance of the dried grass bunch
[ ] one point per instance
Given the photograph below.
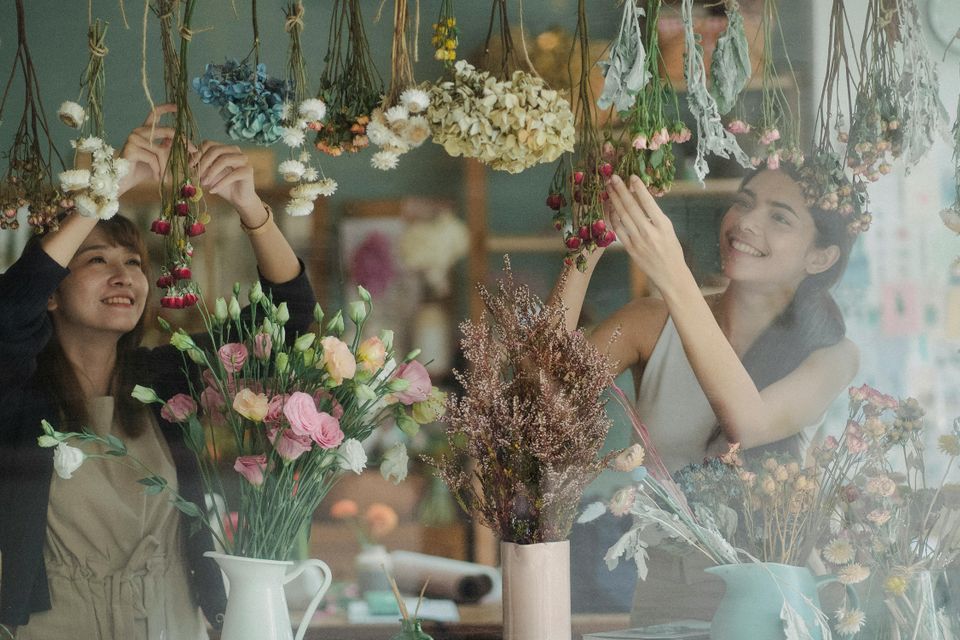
(531, 417)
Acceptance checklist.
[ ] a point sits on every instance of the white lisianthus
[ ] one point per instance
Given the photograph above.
(293, 136)
(291, 170)
(72, 114)
(352, 456)
(384, 160)
(88, 144)
(313, 109)
(415, 100)
(394, 464)
(74, 180)
(66, 460)
(299, 207)
(396, 113)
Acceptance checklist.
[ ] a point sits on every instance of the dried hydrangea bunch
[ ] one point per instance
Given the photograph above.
(532, 417)
(510, 125)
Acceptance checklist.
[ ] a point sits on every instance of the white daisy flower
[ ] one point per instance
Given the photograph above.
(293, 136)
(72, 114)
(313, 109)
(299, 207)
(310, 174)
(291, 170)
(849, 621)
(74, 180)
(396, 113)
(88, 144)
(415, 100)
(838, 551)
(384, 160)
(853, 573)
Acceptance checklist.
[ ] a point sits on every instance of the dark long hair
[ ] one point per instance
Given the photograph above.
(811, 321)
(59, 376)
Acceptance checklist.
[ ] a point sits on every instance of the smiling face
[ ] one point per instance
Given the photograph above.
(768, 236)
(105, 292)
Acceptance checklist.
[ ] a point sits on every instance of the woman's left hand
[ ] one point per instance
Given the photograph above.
(645, 231)
(225, 171)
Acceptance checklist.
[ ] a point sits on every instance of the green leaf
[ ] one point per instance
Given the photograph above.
(117, 444)
(656, 158)
(187, 507)
(195, 436)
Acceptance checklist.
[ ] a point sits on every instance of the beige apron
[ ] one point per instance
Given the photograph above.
(113, 554)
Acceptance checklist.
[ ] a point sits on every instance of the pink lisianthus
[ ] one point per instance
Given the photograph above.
(250, 405)
(769, 136)
(289, 445)
(371, 354)
(251, 468)
(275, 409)
(419, 389)
(306, 421)
(338, 360)
(322, 397)
(178, 408)
(262, 346)
(233, 355)
(213, 405)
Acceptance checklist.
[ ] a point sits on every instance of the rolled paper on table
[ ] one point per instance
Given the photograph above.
(457, 580)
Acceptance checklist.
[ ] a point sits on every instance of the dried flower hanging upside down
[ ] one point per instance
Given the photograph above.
(532, 417)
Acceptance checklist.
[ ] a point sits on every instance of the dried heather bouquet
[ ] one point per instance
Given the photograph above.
(531, 417)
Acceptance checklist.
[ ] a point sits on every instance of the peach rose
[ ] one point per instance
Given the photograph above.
(344, 509)
(381, 519)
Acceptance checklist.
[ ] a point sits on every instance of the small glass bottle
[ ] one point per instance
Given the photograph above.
(410, 630)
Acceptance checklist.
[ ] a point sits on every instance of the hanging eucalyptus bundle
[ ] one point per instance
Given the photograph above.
(625, 71)
(27, 188)
(730, 69)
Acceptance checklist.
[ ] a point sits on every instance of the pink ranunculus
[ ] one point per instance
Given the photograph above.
(251, 405)
(416, 374)
(338, 360)
(289, 445)
(233, 355)
(275, 409)
(262, 346)
(178, 408)
(371, 354)
(251, 468)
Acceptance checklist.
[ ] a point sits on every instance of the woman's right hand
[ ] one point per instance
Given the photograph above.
(147, 149)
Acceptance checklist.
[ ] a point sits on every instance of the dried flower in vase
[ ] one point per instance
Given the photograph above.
(531, 417)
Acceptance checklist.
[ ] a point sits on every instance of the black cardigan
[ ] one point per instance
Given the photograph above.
(26, 469)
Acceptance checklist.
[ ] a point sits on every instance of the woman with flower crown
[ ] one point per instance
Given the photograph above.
(755, 364)
(93, 556)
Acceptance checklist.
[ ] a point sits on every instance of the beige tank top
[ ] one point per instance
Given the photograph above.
(113, 554)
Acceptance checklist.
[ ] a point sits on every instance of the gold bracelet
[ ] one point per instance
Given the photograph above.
(252, 231)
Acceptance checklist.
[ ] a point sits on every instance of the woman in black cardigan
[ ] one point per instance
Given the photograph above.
(71, 316)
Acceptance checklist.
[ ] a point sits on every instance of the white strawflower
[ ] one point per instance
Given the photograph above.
(305, 157)
(378, 133)
(299, 207)
(103, 154)
(838, 551)
(91, 208)
(326, 187)
(104, 185)
(396, 113)
(849, 621)
(72, 114)
(415, 100)
(310, 174)
(88, 144)
(417, 131)
(293, 136)
(313, 109)
(74, 180)
(291, 170)
(384, 160)
(853, 573)
(121, 166)
(286, 111)
(303, 192)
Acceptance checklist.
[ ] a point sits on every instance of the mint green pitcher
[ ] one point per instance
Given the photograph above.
(755, 595)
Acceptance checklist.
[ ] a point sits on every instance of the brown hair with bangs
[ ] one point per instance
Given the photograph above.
(59, 376)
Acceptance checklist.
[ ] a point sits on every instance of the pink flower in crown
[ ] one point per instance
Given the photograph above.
(262, 346)
(289, 445)
(420, 385)
(640, 143)
(856, 444)
(850, 492)
(213, 405)
(233, 355)
(738, 126)
(338, 360)
(322, 397)
(252, 468)
(178, 408)
(275, 409)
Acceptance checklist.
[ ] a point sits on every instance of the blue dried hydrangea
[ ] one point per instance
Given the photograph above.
(251, 104)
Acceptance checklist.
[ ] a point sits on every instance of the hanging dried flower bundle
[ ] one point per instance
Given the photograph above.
(399, 124)
(776, 131)
(249, 101)
(653, 125)
(301, 114)
(532, 417)
(510, 122)
(730, 69)
(92, 191)
(350, 85)
(577, 189)
(951, 215)
(183, 213)
(27, 186)
(446, 35)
